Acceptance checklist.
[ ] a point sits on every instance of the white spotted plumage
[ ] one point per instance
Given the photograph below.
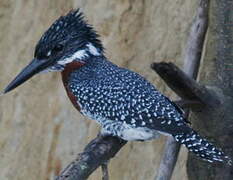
(128, 106)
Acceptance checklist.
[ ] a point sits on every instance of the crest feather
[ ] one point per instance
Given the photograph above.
(71, 26)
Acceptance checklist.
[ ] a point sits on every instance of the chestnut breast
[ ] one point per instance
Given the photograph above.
(69, 68)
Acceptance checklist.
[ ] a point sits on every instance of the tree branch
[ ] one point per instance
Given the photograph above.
(217, 73)
(195, 43)
(96, 153)
(169, 159)
(184, 86)
(183, 83)
(188, 104)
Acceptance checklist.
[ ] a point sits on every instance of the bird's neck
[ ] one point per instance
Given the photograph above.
(69, 68)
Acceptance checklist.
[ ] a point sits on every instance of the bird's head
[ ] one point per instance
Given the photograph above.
(70, 38)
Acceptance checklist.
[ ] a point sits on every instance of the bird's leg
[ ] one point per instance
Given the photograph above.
(104, 168)
(105, 133)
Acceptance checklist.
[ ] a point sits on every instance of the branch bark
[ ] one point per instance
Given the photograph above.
(183, 83)
(104, 167)
(169, 159)
(217, 73)
(184, 86)
(189, 104)
(96, 153)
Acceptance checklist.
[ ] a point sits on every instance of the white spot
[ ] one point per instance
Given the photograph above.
(78, 55)
(134, 102)
(133, 121)
(48, 53)
(163, 122)
(201, 149)
(76, 14)
(217, 159)
(122, 117)
(93, 50)
(57, 28)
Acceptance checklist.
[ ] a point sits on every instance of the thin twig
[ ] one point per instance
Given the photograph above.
(192, 59)
(104, 168)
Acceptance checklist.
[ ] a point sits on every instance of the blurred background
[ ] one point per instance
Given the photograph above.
(40, 131)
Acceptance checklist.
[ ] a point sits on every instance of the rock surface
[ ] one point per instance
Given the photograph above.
(40, 131)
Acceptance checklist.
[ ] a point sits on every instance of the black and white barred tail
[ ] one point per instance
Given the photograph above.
(201, 147)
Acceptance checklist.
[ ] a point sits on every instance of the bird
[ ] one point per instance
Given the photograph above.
(121, 101)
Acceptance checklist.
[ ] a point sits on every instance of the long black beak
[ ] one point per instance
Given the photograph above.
(31, 69)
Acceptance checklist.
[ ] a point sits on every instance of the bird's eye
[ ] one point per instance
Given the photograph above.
(58, 48)
(55, 50)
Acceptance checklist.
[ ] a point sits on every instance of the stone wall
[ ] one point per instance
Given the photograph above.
(40, 131)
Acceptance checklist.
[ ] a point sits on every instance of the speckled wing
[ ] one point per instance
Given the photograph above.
(129, 98)
(130, 107)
